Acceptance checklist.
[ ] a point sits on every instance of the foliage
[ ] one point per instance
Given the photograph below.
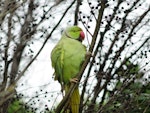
(17, 106)
(131, 98)
(115, 79)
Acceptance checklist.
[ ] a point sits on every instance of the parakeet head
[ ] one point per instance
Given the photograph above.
(74, 32)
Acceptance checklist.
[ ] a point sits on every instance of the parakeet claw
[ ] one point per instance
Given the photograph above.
(88, 53)
(74, 80)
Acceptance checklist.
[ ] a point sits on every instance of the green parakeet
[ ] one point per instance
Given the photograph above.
(67, 58)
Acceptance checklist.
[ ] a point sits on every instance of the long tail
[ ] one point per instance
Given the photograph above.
(75, 101)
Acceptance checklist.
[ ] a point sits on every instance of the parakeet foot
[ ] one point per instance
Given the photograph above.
(74, 80)
(88, 53)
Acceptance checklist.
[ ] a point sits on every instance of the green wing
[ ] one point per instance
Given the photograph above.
(57, 57)
(67, 59)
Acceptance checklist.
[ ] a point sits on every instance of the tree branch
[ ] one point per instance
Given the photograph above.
(76, 12)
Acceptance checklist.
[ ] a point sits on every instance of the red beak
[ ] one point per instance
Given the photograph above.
(82, 35)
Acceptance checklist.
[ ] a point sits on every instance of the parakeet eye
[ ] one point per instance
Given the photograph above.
(82, 35)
